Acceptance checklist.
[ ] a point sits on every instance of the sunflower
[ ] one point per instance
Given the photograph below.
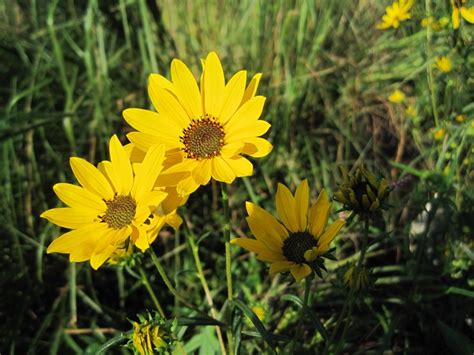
(397, 12)
(299, 242)
(205, 129)
(112, 205)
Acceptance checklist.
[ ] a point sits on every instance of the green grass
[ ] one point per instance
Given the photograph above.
(70, 68)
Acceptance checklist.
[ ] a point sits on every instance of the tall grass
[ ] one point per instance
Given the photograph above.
(70, 68)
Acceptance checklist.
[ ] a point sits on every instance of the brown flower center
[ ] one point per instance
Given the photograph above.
(296, 245)
(120, 211)
(204, 138)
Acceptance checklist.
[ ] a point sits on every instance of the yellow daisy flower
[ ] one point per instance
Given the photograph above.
(443, 64)
(459, 9)
(112, 204)
(397, 97)
(397, 12)
(298, 244)
(439, 133)
(205, 129)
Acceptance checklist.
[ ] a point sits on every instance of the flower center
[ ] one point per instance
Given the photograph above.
(296, 245)
(120, 211)
(204, 138)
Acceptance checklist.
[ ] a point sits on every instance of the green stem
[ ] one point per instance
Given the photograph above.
(73, 294)
(166, 280)
(303, 312)
(151, 292)
(431, 81)
(228, 260)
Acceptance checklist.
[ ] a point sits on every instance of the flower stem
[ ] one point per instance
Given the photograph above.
(147, 285)
(166, 280)
(431, 81)
(73, 294)
(228, 260)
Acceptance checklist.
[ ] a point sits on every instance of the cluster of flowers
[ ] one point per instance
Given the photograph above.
(198, 133)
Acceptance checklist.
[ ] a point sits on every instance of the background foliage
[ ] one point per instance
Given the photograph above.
(70, 67)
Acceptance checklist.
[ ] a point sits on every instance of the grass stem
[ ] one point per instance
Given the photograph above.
(152, 294)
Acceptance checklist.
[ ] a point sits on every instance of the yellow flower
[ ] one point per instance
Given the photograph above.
(460, 10)
(434, 24)
(259, 312)
(411, 111)
(111, 205)
(298, 244)
(439, 133)
(397, 12)
(205, 130)
(146, 338)
(460, 118)
(397, 97)
(443, 64)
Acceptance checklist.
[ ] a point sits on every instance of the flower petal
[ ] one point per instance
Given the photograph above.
(247, 113)
(221, 171)
(250, 244)
(79, 197)
(455, 18)
(240, 165)
(186, 88)
(122, 166)
(468, 14)
(152, 123)
(98, 259)
(149, 170)
(330, 233)
(202, 172)
(273, 228)
(232, 97)
(286, 208)
(252, 88)
(187, 186)
(256, 147)
(214, 84)
(319, 214)
(72, 218)
(70, 241)
(253, 129)
(281, 266)
(300, 271)
(302, 201)
(91, 178)
(160, 81)
(168, 106)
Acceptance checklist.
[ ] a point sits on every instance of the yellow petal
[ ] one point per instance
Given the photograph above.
(160, 81)
(311, 254)
(319, 214)
(328, 236)
(113, 177)
(229, 150)
(72, 218)
(174, 220)
(187, 186)
(249, 244)
(271, 256)
(78, 197)
(246, 114)
(202, 172)
(455, 18)
(271, 240)
(273, 227)
(281, 266)
(186, 88)
(168, 106)
(91, 178)
(149, 170)
(302, 201)
(142, 240)
(73, 240)
(286, 208)
(98, 259)
(468, 14)
(252, 88)
(122, 165)
(232, 97)
(221, 171)
(256, 147)
(300, 271)
(240, 166)
(152, 199)
(214, 85)
(254, 129)
(152, 123)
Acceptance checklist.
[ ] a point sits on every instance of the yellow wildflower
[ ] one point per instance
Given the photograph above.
(460, 10)
(259, 312)
(411, 111)
(397, 97)
(460, 118)
(439, 133)
(146, 338)
(443, 64)
(397, 12)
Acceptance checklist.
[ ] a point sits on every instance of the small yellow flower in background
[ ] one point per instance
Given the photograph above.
(443, 64)
(411, 111)
(444, 21)
(112, 205)
(206, 129)
(259, 312)
(358, 282)
(397, 12)
(299, 242)
(435, 24)
(397, 97)
(147, 338)
(439, 134)
(427, 21)
(460, 118)
(460, 10)
(362, 192)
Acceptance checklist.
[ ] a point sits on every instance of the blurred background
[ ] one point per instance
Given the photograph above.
(69, 68)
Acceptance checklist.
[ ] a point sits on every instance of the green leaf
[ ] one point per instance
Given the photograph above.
(116, 340)
(457, 342)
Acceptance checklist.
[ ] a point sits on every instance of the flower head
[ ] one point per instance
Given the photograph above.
(297, 243)
(397, 12)
(112, 205)
(397, 97)
(152, 335)
(439, 134)
(460, 10)
(443, 64)
(362, 192)
(460, 118)
(205, 129)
